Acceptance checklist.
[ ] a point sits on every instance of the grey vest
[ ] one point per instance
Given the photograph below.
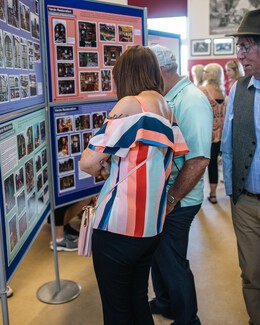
(244, 137)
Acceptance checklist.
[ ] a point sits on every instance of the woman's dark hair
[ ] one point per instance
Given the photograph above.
(136, 70)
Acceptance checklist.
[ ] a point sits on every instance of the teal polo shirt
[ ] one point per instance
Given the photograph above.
(195, 119)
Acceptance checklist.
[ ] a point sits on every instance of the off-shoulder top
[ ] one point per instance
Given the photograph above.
(137, 206)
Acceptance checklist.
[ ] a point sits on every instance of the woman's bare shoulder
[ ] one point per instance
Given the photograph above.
(125, 107)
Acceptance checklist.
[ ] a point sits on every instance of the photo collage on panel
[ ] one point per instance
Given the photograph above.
(85, 52)
(73, 133)
(20, 52)
(24, 175)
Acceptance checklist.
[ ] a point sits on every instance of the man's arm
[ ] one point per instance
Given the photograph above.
(226, 142)
(190, 174)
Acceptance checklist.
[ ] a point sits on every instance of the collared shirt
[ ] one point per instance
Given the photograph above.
(195, 119)
(252, 183)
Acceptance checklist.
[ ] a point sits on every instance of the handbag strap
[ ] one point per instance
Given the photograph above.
(128, 174)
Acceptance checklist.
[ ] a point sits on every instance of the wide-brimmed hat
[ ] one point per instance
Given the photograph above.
(250, 24)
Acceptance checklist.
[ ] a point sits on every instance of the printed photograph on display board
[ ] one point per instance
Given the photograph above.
(83, 46)
(24, 177)
(21, 74)
(226, 15)
(72, 128)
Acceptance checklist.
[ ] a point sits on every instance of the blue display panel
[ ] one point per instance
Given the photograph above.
(71, 129)
(21, 72)
(24, 190)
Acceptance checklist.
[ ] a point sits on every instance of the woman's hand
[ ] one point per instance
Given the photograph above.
(105, 170)
(90, 161)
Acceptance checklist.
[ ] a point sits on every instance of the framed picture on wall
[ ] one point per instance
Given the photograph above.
(223, 46)
(201, 47)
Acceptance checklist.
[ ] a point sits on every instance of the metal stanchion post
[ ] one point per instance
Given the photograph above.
(57, 292)
(3, 286)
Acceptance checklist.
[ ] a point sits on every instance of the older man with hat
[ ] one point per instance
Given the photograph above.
(241, 160)
(172, 277)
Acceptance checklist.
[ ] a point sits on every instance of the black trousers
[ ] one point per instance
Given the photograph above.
(213, 163)
(122, 266)
(172, 277)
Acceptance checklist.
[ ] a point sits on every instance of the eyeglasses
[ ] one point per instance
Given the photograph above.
(244, 48)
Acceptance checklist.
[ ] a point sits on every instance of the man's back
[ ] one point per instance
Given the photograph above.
(194, 116)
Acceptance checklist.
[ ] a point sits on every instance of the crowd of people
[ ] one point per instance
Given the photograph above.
(153, 150)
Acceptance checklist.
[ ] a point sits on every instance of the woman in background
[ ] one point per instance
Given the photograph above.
(197, 74)
(234, 71)
(213, 87)
(129, 217)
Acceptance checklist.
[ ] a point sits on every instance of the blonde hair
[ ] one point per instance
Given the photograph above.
(237, 67)
(197, 74)
(215, 76)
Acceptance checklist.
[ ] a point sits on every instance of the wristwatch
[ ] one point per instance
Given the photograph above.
(170, 198)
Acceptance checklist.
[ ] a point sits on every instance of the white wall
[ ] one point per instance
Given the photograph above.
(198, 14)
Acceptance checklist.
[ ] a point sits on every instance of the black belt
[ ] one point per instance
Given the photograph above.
(256, 196)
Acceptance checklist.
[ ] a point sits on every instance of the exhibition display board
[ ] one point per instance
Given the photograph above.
(21, 74)
(84, 39)
(24, 198)
(71, 129)
(24, 183)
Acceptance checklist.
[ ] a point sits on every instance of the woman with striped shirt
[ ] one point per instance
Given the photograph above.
(141, 128)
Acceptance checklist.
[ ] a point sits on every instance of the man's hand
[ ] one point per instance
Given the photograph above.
(191, 172)
(169, 207)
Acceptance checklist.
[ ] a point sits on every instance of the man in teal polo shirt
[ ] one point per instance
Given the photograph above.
(172, 277)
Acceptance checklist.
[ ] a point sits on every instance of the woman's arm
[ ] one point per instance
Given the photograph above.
(91, 161)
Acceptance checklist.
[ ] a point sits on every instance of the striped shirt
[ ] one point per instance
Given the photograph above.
(137, 206)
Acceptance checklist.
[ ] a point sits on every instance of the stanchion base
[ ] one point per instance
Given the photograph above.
(48, 293)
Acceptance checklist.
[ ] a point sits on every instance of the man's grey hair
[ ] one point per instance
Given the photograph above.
(169, 68)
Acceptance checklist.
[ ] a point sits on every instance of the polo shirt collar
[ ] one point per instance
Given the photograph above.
(177, 88)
